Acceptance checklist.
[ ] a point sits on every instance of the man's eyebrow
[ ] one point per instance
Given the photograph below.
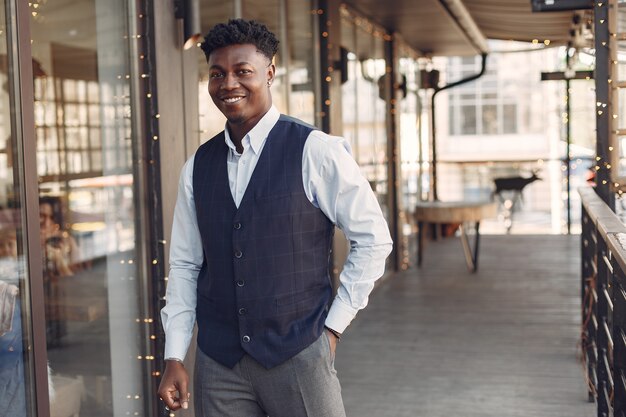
(238, 64)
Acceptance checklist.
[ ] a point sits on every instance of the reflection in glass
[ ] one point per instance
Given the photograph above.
(86, 207)
(13, 354)
(15, 363)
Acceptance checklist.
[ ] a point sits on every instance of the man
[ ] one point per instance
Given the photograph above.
(251, 241)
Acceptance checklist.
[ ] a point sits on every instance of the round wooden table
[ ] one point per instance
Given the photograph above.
(451, 212)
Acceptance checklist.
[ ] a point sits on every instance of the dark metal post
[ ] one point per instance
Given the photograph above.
(148, 192)
(601, 29)
(393, 151)
(601, 306)
(588, 251)
(619, 351)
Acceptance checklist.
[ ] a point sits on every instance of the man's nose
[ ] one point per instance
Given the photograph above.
(230, 81)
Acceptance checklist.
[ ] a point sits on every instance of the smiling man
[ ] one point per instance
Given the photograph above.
(251, 242)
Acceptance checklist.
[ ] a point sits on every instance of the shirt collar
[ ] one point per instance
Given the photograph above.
(257, 135)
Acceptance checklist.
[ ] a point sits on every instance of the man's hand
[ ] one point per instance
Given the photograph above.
(173, 389)
(332, 339)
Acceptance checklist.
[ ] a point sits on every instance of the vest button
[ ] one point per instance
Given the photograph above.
(237, 226)
(238, 254)
(246, 338)
(242, 311)
(240, 283)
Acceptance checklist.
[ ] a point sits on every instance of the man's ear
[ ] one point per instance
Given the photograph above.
(271, 72)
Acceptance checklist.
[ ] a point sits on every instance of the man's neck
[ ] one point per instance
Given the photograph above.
(235, 137)
(238, 131)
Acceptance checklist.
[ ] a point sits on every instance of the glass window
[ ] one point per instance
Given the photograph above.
(468, 60)
(87, 211)
(509, 118)
(467, 115)
(490, 119)
(16, 366)
(452, 120)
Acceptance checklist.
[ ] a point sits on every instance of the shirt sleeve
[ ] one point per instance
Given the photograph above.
(186, 257)
(334, 183)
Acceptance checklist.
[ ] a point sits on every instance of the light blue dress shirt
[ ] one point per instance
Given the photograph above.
(332, 182)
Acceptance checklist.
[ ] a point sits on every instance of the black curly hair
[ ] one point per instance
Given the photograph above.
(239, 32)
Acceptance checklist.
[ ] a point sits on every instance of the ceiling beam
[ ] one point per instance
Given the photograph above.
(463, 19)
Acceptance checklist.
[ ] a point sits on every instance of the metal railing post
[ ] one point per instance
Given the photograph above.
(588, 255)
(601, 315)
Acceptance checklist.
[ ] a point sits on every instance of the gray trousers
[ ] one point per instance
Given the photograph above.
(304, 386)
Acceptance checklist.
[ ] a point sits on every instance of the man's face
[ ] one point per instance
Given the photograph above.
(46, 218)
(8, 245)
(238, 84)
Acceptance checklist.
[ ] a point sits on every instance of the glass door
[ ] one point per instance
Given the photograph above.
(86, 168)
(16, 363)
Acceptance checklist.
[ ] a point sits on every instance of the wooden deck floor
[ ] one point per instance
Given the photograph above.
(439, 341)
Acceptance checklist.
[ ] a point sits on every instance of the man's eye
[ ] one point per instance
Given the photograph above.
(244, 71)
(216, 75)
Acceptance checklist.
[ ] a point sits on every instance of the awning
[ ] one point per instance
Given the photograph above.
(444, 27)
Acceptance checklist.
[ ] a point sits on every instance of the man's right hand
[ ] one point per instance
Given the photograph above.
(173, 389)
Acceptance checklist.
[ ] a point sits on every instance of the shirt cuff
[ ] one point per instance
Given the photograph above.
(176, 345)
(339, 316)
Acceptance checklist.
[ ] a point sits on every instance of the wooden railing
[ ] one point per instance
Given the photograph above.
(603, 336)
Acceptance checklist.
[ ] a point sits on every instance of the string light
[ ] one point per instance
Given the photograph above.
(145, 44)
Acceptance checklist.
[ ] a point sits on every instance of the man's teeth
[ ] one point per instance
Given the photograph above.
(232, 99)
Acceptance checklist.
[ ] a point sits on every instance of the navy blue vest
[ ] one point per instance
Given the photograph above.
(264, 287)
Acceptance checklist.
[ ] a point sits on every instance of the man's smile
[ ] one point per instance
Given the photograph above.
(232, 100)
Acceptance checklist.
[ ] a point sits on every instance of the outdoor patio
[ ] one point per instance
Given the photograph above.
(440, 341)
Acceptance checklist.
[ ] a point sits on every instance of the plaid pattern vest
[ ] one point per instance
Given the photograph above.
(264, 287)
